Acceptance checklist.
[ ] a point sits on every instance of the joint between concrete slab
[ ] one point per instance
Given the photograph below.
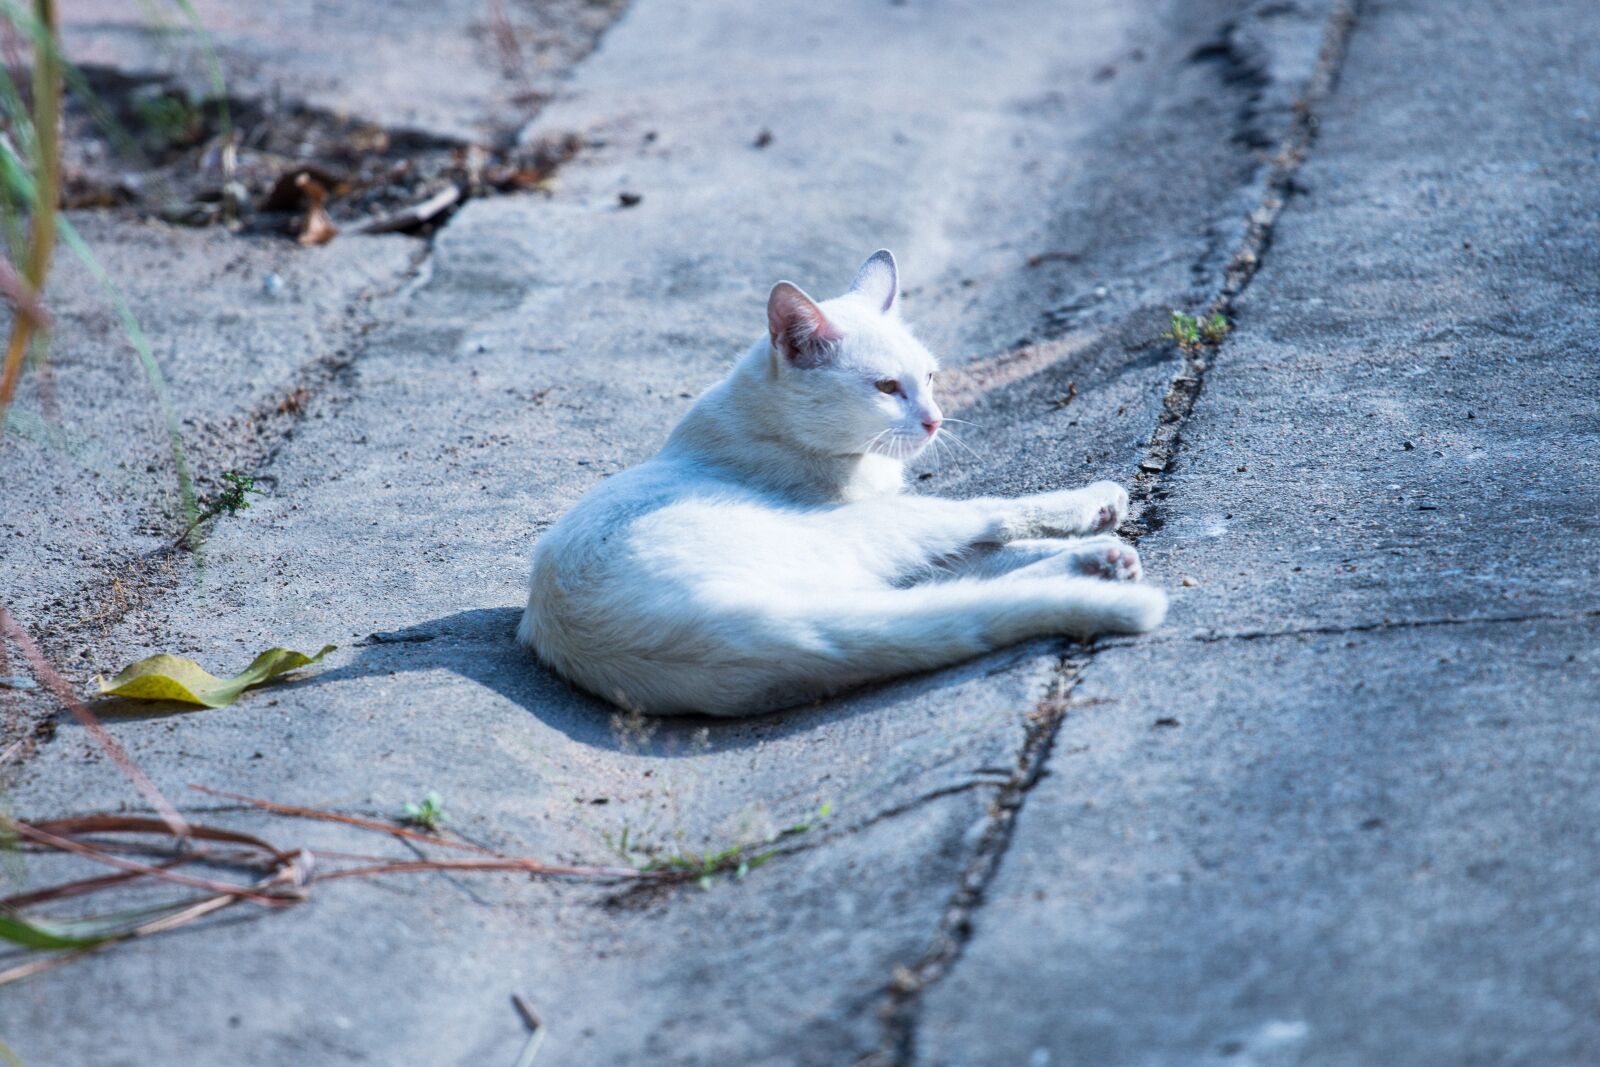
(1215, 637)
(902, 1000)
(1277, 185)
(901, 1003)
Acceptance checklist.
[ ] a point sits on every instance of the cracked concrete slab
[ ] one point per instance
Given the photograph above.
(244, 333)
(1054, 178)
(1361, 841)
(543, 343)
(1334, 850)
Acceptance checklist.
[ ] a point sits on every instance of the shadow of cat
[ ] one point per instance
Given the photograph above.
(478, 645)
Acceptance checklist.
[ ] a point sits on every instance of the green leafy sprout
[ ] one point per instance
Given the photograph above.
(1192, 332)
(428, 814)
(232, 498)
(172, 119)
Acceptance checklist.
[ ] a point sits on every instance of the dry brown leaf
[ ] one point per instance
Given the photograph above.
(318, 228)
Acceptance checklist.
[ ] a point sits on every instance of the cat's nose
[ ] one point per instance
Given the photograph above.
(932, 425)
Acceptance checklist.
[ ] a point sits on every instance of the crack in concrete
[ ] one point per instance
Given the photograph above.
(901, 1005)
(897, 810)
(643, 893)
(1277, 185)
(130, 581)
(1215, 637)
(251, 442)
(900, 1008)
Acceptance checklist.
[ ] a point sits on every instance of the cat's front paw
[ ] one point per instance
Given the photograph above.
(1093, 509)
(1113, 508)
(1116, 561)
(1103, 556)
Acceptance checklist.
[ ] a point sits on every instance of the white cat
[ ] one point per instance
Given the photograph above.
(765, 556)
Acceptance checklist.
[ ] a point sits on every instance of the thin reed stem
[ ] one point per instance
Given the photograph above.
(47, 182)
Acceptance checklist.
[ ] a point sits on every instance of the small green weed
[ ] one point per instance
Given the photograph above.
(429, 814)
(169, 120)
(1192, 332)
(234, 497)
(738, 860)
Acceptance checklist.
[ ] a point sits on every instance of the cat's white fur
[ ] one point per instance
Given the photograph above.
(766, 555)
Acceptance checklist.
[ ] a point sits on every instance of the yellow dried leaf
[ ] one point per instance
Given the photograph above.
(166, 677)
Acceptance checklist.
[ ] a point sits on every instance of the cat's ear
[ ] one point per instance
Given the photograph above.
(800, 331)
(877, 280)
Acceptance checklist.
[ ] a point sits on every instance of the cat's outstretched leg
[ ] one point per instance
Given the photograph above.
(915, 530)
(1095, 508)
(821, 648)
(1102, 556)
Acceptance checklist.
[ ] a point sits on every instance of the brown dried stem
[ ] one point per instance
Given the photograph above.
(80, 711)
(47, 191)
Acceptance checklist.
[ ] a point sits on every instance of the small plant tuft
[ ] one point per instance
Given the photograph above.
(232, 498)
(428, 814)
(170, 121)
(1193, 332)
(737, 860)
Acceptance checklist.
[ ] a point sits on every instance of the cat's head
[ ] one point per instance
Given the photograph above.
(853, 380)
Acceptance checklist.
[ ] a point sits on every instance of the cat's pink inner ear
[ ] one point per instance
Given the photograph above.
(799, 329)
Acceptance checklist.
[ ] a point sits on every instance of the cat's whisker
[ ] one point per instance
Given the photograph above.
(968, 449)
(871, 446)
(953, 435)
(955, 438)
(963, 422)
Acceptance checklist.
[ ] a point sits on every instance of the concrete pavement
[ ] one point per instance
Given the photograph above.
(1334, 813)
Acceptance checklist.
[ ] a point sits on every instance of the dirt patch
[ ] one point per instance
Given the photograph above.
(142, 146)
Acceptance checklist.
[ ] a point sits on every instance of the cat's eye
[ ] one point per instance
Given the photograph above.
(888, 385)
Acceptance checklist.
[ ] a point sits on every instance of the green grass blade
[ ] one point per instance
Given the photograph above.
(28, 935)
(218, 88)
